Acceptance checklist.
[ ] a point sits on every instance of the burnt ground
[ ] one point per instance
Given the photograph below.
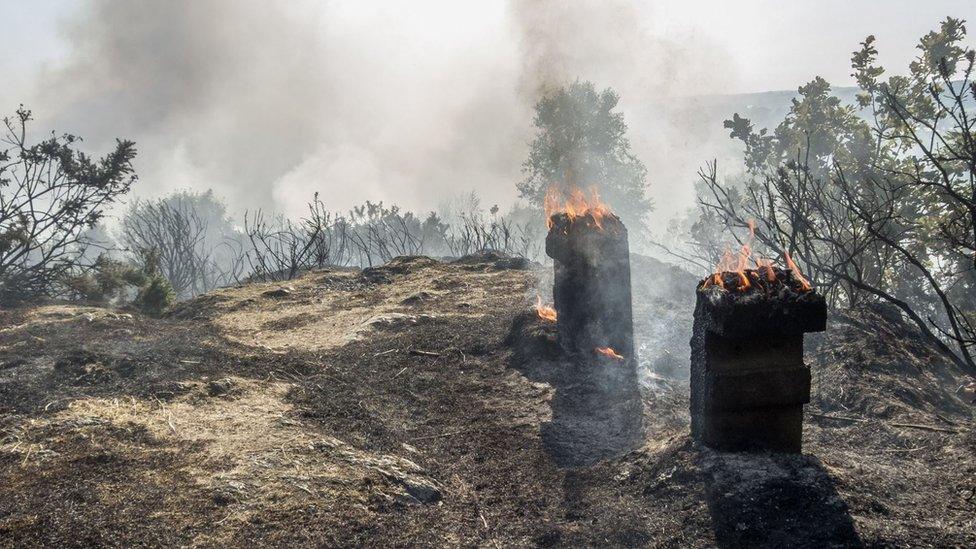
(405, 405)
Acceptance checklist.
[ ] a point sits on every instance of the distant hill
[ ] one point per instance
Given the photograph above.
(676, 136)
(765, 109)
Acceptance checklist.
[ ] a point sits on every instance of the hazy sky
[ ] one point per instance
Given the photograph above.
(411, 102)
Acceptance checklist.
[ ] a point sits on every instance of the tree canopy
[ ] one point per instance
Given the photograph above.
(877, 198)
(582, 143)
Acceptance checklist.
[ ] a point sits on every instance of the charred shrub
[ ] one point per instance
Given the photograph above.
(108, 280)
(156, 296)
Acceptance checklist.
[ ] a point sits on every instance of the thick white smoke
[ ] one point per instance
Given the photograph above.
(660, 79)
(268, 102)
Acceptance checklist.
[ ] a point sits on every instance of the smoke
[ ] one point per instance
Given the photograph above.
(268, 102)
(660, 78)
(611, 44)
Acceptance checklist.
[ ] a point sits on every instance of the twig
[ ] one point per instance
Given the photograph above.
(418, 352)
(386, 352)
(904, 425)
(30, 448)
(842, 418)
(286, 374)
(925, 427)
(903, 450)
(398, 373)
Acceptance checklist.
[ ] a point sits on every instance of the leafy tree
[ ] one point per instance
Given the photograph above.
(50, 193)
(877, 199)
(818, 126)
(582, 143)
(106, 281)
(156, 296)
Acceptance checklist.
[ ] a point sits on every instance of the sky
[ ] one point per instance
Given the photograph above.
(412, 102)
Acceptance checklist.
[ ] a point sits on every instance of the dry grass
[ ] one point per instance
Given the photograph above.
(247, 450)
(316, 317)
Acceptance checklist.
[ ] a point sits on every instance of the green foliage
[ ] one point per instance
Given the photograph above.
(84, 287)
(155, 296)
(865, 71)
(878, 198)
(149, 259)
(819, 131)
(50, 194)
(106, 281)
(14, 234)
(110, 280)
(582, 143)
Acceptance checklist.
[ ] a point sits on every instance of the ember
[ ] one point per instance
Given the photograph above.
(804, 284)
(545, 312)
(574, 204)
(766, 279)
(734, 273)
(607, 351)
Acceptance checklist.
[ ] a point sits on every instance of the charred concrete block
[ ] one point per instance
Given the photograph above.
(748, 379)
(757, 313)
(778, 429)
(597, 410)
(591, 286)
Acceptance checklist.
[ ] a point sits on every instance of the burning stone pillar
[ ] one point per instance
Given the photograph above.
(748, 379)
(597, 410)
(591, 287)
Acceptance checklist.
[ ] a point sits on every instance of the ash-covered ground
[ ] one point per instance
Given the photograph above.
(405, 405)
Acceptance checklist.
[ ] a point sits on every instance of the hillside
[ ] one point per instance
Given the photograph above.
(407, 405)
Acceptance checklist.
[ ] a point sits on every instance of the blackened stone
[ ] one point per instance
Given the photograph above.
(220, 387)
(732, 391)
(597, 408)
(749, 314)
(748, 379)
(278, 293)
(423, 490)
(752, 353)
(591, 285)
(15, 363)
(774, 429)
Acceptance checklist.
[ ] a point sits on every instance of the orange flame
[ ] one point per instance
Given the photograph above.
(574, 203)
(545, 312)
(736, 263)
(740, 261)
(804, 283)
(608, 351)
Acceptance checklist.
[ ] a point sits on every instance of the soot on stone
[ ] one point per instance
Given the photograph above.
(748, 379)
(597, 407)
